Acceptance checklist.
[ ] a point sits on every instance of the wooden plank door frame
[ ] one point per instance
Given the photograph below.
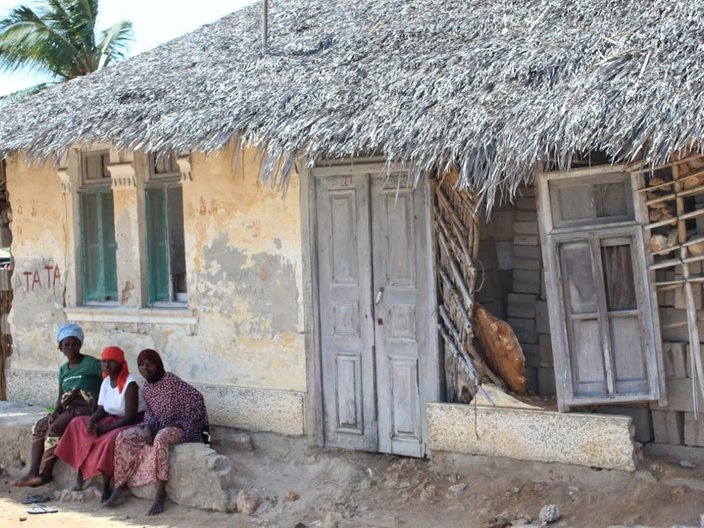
(432, 361)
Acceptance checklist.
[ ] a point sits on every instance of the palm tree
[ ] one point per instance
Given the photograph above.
(57, 38)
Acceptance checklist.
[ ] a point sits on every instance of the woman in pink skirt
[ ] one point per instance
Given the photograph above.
(174, 412)
(88, 444)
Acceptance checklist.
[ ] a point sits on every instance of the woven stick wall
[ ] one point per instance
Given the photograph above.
(457, 236)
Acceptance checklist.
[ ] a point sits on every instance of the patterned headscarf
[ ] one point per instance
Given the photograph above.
(116, 354)
(151, 355)
(69, 330)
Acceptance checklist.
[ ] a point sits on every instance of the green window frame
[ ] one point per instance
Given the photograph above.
(98, 246)
(166, 261)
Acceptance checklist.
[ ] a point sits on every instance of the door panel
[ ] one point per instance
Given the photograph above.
(346, 329)
(399, 251)
(375, 318)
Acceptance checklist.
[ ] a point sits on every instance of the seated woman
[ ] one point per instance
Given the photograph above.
(88, 443)
(79, 381)
(174, 412)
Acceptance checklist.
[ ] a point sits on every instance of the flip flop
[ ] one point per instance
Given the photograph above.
(40, 497)
(41, 508)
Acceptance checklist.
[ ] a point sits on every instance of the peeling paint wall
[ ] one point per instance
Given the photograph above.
(242, 327)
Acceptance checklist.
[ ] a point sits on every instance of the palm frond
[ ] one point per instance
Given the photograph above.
(6, 100)
(115, 43)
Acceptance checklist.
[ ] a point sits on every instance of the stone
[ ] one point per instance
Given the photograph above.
(668, 426)
(522, 305)
(526, 281)
(527, 203)
(526, 240)
(590, 440)
(641, 415)
(247, 503)
(524, 329)
(528, 252)
(504, 255)
(549, 513)
(546, 381)
(687, 464)
(525, 228)
(292, 496)
(693, 430)
(679, 396)
(502, 224)
(675, 359)
(542, 320)
(545, 344)
(457, 488)
(192, 463)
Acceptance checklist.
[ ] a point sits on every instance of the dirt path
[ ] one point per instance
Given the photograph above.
(325, 489)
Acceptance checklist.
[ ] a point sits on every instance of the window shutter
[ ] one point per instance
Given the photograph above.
(99, 277)
(157, 245)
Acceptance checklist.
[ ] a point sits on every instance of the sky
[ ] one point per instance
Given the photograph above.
(153, 22)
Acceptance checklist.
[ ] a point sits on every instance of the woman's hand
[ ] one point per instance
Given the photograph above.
(91, 425)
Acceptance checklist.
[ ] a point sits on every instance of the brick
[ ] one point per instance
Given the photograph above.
(528, 191)
(524, 329)
(526, 216)
(668, 427)
(526, 281)
(505, 278)
(532, 377)
(525, 228)
(545, 344)
(526, 203)
(526, 240)
(531, 351)
(680, 298)
(642, 419)
(679, 396)
(542, 320)
(527, 264)
(528, 252)
(486, 229)
(487, 255)
(521, 305)
(546, 381)
(693, 430)
(673, 325)
(675, 359)
(504, 254)
(490, 288)
(503, 225)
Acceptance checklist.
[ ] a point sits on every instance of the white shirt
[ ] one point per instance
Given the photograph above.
(112, 401)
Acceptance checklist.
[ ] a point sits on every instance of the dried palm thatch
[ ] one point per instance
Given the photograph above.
(483, 86)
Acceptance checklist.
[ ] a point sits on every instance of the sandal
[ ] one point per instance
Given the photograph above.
(41, 508)
(40, 497)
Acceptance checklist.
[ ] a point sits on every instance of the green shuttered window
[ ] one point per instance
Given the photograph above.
(166, 263)
(98, 247)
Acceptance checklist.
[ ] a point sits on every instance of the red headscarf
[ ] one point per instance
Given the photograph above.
(116, 354)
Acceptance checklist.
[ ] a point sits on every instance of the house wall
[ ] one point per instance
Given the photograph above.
(513, 287)
(240, 337)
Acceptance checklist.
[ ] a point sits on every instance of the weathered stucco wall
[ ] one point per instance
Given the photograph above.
(240, 336)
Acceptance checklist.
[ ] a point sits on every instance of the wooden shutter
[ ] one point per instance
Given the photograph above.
(157, 245)
(99, 264)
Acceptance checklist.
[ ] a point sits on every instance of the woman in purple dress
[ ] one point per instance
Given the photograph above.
(174, 412)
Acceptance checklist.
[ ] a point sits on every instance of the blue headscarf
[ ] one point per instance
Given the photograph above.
(69, 330)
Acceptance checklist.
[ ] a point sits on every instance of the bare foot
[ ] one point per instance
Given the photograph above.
(117, 497)
(31, 481)
(158, 505)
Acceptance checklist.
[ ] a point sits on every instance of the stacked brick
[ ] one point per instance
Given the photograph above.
(513, 285)
(676, 423)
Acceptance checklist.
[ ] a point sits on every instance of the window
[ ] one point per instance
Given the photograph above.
(166, 261)
(601, 302)
(98, 247)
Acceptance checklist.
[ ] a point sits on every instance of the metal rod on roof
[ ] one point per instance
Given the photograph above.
(265, 26)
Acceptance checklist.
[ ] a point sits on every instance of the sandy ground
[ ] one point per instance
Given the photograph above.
(328, 488)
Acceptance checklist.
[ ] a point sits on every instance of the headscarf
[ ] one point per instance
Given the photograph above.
(69, 330)
(116, 354)
(151, 355)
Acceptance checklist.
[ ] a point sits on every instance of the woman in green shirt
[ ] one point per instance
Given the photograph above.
(79, 382)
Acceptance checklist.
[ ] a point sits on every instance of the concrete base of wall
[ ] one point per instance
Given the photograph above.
(526, 434)
(252, 409)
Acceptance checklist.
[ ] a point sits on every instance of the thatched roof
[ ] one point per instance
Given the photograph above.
(489, 87)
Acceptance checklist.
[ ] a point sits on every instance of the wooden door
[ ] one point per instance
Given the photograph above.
(379, 361)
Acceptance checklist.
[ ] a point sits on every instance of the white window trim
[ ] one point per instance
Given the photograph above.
(557, 319)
